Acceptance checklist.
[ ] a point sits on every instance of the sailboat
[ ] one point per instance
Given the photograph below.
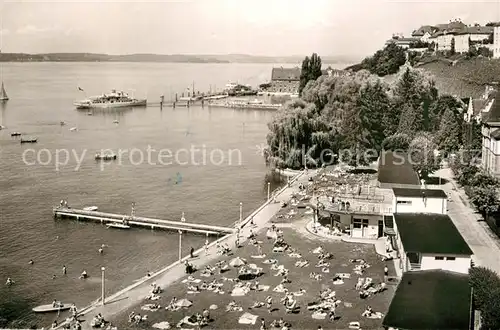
(3, 94)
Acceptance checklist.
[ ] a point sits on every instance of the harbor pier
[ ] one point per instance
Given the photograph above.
(151, 223)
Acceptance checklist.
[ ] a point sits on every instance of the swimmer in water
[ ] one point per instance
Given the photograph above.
(9, 281)
(101, 250)
(64, 270)
(84, 275)
(31, 262)
(103, 246)
(54, 276)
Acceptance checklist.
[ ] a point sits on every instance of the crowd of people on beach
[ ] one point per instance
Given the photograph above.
(247, 280)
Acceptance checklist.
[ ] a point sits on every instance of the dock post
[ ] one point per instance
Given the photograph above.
(241, 212)
(162, 98)
(180, 245)
(183, 219)
(176, 98)
(268, 190)
(102, 287)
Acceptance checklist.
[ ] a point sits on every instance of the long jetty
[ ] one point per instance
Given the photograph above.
(103, 217)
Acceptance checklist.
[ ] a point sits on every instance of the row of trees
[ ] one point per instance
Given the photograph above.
(480, 187)
(363, 115)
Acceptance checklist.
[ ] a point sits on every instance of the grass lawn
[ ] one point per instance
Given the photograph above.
(299, 280)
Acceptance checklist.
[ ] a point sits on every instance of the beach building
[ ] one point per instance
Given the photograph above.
(419, 201)
(430, 241)
(431, 299)
(396, 171)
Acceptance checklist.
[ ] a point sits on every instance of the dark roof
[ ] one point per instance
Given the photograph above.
(493, 115)
(431, 299)
(395, 168)
(430, 233)
(479, 29)
(451, 26)
(285, 74)
(496, 134)
(430, 193)
(423, 30)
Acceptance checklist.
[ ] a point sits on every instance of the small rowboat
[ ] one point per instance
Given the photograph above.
(15, 134)
(118, 226)
(50, 308)
(90, 208)
(29, 140)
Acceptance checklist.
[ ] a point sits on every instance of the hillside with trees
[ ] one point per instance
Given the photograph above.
(352, 118)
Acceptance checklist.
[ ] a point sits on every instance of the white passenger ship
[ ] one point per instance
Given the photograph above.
(112, 100)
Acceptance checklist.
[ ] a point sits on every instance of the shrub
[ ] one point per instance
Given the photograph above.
(399, 141)
(482, 281)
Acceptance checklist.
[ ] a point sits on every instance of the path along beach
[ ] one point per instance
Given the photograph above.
(134, 294)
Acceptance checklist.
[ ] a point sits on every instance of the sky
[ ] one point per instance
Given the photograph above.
(256, 27)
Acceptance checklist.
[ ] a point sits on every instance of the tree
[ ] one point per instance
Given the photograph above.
(386, 61)
(452, 46)
(311, 70)
(490, 314)
(485, 199)
(449, 136)
(421, 155)
(373, 102)
(296, 134)
(485, 285)
(395, 142)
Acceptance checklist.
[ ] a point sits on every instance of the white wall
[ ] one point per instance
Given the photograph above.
(479, 37)
(419, 205)
(462, 43)
(496, 42)
(444, 41)
(461, 264)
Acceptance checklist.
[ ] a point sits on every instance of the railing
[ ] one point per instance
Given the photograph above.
(415, 266)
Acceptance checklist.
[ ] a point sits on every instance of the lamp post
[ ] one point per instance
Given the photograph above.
(102, 286)
(268, 190)
(180, 245)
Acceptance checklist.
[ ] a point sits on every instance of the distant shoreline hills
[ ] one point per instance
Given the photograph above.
(174, 58)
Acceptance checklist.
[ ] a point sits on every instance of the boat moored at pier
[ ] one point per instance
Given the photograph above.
(115, 99)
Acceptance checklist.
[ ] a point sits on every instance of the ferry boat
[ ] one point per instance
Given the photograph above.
(115, 99)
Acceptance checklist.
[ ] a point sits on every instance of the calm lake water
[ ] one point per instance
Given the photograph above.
(41, 96)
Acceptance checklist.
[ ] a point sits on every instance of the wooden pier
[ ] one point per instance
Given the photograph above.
(110, 218)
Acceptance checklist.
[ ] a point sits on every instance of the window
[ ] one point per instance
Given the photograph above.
(357, 223)
(438, 258)
(365, 223)
(404, 202)
(450, 258)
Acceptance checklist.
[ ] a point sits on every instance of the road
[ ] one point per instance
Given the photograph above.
(483, 242)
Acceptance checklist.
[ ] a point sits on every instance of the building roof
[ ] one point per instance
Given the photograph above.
(395, 168)
(431, 299)
(430, 233)
(496, 134)
(493, 115)
(423, 30)
(285, 74)
(429, 193)
(479, 29)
